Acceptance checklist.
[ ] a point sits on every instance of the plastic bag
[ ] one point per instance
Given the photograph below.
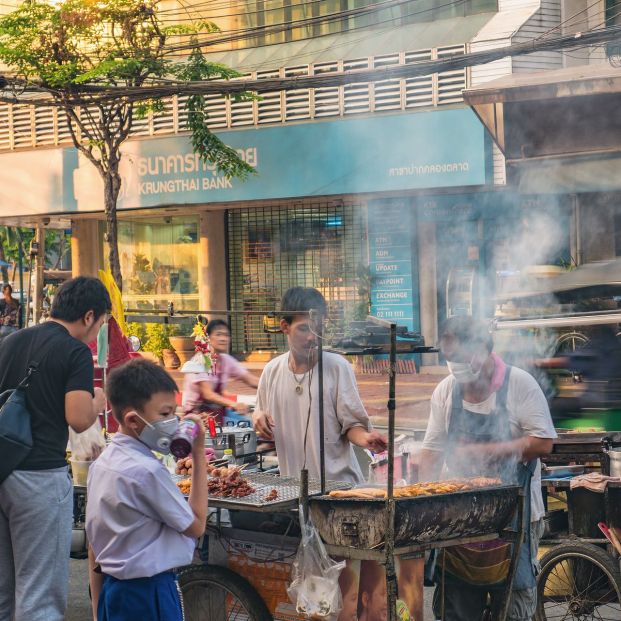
(314, 588)
(89, 444)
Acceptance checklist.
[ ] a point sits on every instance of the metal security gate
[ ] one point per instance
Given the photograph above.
(319, 245)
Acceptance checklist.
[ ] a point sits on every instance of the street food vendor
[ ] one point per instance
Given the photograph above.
(287, 399)
(487, 419)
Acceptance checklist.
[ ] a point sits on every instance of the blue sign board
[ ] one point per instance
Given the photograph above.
(434, 149)
(394, 282)
(381, 153)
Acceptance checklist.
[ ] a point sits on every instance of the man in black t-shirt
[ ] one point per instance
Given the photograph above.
(36, 499)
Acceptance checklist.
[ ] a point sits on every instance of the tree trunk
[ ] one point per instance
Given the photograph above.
(4, 271)
(112, 186)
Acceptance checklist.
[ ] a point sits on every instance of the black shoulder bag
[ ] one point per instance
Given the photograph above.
(15, 427)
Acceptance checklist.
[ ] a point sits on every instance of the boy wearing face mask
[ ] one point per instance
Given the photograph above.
(487, 419)
(138, 524)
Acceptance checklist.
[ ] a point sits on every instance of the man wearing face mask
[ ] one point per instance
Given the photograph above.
(36, 499)
(487, 419)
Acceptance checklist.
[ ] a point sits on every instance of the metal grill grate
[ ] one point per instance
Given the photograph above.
(271, 249)
(288, 489)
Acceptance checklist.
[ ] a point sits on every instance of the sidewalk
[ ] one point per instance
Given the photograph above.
(413, 394)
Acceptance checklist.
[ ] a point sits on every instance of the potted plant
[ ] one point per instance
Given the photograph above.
(157, 340)
(182, 341)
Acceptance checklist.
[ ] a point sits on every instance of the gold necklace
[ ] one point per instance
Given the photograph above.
(299, 388)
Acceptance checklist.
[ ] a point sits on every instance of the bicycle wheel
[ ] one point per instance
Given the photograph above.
(212, 593)
(578, 582)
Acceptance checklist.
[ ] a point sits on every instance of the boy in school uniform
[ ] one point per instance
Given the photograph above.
(138, 523)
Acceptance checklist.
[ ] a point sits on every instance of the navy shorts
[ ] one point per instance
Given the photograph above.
(156, 599)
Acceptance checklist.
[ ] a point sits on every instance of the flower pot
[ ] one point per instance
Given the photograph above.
(171, 360)
(182, 343)
(184, 355)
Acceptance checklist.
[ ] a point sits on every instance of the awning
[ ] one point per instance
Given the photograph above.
(601, 278)
(597, 173)
(358, 44)
(498, 102)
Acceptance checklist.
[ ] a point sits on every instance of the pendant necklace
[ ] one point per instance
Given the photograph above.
(299, 389)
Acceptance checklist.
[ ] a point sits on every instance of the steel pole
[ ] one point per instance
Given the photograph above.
(391, 576)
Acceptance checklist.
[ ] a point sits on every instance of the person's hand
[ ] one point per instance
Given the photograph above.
(376, 442)
(99, 400)
(263, 424)
(241, 408)
(199, 438)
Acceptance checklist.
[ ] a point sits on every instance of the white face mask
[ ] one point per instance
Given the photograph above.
(463, 372)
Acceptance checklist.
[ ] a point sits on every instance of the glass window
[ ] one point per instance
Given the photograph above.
(613, 12)
(259, 13)
(159, 262)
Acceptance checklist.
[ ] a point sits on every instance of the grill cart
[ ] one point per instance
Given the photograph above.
(580, 578)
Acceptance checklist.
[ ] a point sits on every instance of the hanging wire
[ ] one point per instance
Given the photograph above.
(287, 26)
(94, 95)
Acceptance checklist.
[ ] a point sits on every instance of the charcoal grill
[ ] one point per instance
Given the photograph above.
(361, 522)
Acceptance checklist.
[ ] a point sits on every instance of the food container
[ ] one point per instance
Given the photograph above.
(245, 440)
(615, 462)
(79, 471)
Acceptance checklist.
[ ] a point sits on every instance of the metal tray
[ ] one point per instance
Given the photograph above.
(360, 523)
(288, 489)
(559, 472)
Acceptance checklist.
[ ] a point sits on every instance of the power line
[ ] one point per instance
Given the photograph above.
(290, 25)
(326, 80)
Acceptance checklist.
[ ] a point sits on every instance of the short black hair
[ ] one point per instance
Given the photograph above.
(9, 287)
(300, 300)
(77, 296)
(216, 323)
(469, 331)
(134, 383)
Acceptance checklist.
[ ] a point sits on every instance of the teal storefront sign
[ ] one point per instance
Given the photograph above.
(434, 149)
(418, 150)
(392, 264)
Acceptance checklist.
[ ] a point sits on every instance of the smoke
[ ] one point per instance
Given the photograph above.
(525, 261)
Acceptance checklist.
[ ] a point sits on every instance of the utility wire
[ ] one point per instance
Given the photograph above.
(421, 68)
(290, 25)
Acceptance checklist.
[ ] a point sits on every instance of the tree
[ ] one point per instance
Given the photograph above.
(67, 48)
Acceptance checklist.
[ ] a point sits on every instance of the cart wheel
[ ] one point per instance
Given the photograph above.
(578, 581)
(212, 593)
(569, 342)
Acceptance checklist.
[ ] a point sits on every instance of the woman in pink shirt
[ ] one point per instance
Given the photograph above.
(203, 392)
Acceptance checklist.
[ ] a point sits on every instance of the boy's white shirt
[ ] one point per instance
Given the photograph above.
(135, 514)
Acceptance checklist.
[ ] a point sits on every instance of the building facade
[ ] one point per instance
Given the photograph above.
(389, 194)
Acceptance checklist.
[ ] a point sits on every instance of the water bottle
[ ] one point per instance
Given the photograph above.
(181, 443)
(229, 457)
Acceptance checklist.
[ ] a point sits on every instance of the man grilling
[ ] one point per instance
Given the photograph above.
(287, 399)
(487, 419)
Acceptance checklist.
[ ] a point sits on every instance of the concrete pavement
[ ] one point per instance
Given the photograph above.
(80, 606)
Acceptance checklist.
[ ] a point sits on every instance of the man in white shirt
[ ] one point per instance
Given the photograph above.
(487, 419)
(287, 399)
